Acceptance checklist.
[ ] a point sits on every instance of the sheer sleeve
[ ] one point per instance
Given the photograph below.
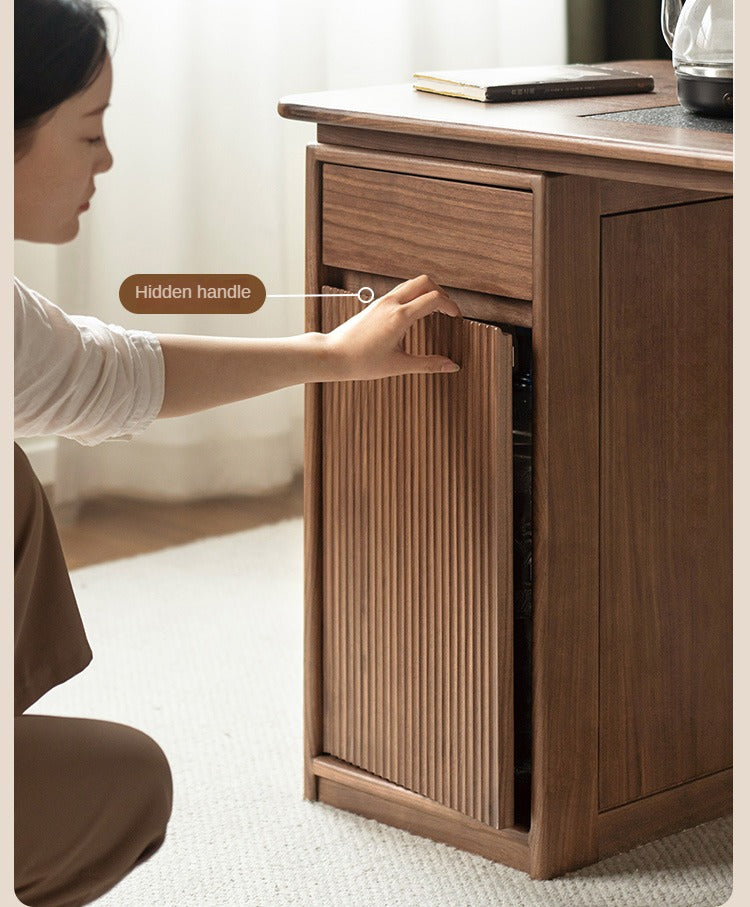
(78, 377)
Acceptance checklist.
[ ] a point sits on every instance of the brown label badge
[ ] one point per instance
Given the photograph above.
(184, 294)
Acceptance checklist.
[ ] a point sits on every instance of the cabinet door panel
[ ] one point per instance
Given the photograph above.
(417, 569)
(666, 499)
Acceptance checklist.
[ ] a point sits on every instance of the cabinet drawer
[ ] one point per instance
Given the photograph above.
(417, 547)
(461, 234)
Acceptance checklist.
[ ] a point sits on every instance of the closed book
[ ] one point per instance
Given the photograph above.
(532, 83)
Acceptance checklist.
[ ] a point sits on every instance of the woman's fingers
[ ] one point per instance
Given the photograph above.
(432, 301)
(409, 289)
(421, 296)
(417, 298)
(370, 344)
(429, 365)
(415, 291)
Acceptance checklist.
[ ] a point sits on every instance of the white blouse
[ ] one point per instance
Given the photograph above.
(78, 377)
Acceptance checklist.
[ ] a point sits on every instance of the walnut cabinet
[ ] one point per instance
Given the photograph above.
(597, 715)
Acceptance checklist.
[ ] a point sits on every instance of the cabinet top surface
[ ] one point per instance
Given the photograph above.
(563, 125)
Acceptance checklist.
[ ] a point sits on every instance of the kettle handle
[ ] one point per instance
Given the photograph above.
(670, 13)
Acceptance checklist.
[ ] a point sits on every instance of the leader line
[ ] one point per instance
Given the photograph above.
(365, 295)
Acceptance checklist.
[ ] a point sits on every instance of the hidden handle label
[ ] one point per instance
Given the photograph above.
(186, 294)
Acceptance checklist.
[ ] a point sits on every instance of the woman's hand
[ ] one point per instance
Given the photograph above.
(370, 343)
(201, 372)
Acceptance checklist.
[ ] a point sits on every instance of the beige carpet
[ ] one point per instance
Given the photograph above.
(200, 646)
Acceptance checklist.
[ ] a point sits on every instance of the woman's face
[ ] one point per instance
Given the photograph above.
(54, 180)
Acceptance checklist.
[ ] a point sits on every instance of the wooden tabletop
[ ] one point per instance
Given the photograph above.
(563, 125)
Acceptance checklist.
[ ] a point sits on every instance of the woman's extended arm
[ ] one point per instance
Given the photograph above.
(202, 372)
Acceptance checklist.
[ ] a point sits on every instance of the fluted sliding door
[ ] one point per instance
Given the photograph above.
(417, 569)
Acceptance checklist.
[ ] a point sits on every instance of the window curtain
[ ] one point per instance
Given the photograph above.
(607, 30)
(208, 178)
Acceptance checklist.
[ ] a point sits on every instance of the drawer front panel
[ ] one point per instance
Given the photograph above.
(461, 234)
(417, 569)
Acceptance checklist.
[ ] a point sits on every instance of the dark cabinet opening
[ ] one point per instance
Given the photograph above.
(522, 570)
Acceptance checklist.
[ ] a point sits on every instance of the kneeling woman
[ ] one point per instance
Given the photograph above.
(93, 798)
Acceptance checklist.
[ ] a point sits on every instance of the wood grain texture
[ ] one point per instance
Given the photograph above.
(349, 788)
(478, 306)
(506, 155)
(567, 830)
(666, 465)
(560, 126)
(565, 343)
(417, 571)
(665, 813)
(312, 504)
(415, 165)
(463, 235)
(619, 197)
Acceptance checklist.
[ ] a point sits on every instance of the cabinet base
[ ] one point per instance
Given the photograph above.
(665, 813)
(346, 787)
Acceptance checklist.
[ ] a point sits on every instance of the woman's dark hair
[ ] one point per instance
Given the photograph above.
(60, 47)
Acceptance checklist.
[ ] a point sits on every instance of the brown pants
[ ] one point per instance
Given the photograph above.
(92, 798)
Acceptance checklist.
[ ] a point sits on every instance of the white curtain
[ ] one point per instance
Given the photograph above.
(208, 178)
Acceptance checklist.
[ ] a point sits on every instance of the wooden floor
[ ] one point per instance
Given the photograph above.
(111, 527)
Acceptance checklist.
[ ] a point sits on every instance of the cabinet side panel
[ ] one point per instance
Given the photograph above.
(666, 499)
(565, 344)
(313, 693)
(417, 578)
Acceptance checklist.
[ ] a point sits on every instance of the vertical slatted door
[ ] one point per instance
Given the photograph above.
(417, 569)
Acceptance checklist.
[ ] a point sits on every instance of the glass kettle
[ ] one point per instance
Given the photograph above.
(700, 35)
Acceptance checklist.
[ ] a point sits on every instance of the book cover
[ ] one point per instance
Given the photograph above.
(530, 83)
